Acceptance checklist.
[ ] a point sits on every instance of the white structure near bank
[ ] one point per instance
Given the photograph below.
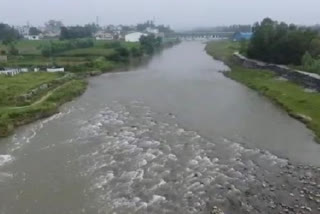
(32, 37)
(53, 70)
(103, 36)
(13, 71)
(134, 37)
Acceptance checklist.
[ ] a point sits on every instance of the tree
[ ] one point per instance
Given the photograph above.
(279, 43)
(34, 31)
(8, 34)
(74, 32)
(13, 50)
(150, 43)
(315, 47)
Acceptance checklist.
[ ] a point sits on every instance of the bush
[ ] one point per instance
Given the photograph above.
(280, 43)
(136, 52)
(113, 45)
(310, 64)
(120, 54)
(13, 50)
(59, 46)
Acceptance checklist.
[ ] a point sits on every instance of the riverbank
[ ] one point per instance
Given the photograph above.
(31, 96)
(47, 105)
(299, 102)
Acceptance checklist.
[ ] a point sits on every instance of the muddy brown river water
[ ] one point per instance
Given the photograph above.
(171, 136)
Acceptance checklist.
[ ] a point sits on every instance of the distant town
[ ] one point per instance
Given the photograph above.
(54, 29)
(47, 41)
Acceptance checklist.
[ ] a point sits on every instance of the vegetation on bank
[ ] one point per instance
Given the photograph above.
(16, 116)
(281, 43)
(297, 101)
(27, 97)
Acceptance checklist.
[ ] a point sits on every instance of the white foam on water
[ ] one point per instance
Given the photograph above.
(4, 159)
(135, 158)
(4, 176)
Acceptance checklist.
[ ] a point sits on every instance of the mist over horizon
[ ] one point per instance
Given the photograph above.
(180, 15)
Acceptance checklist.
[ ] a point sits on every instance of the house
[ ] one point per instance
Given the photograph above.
(23, 30)
(152, 30)
(53, 70)
(239, 36)
(32, 37)
(134, 37)
(13, 71)
(103, 36)
(3, 58)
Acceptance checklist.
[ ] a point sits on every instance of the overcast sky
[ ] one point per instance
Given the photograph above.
(180, 14)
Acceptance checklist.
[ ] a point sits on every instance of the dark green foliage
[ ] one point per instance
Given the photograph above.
(120, 54)
(8, 34)
(136, 52)
(75, 32)
(13, 50)
(115, 44)
(279, 43)
(34, 31)
(310, 64)
(150, 43)
(55, 47)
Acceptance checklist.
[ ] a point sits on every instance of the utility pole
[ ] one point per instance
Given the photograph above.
(97, 20)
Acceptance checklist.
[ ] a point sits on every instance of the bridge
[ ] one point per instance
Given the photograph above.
(192, 35)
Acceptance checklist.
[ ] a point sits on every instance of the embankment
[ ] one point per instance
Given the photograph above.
(294, 91)
(46, 106)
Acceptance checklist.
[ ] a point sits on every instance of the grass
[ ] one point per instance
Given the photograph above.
(12, 87)
(13, 117)
(222, 50)
(293, 98)
(82, 52)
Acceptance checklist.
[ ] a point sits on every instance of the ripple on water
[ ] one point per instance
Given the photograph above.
(4, 159)
(142, 163)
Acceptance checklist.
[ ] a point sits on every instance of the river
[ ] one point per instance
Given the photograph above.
(171, 136)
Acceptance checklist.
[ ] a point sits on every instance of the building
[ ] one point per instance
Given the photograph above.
(152, 30)
(103, 36)
(53, 70)
(23, 30)
(13, 71)
(32, 37)
(134, 37)
(239, 36)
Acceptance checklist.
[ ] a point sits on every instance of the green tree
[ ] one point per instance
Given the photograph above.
(8, 34)
(315, 47)
(13, 50)
(279, 43)
(150, 43)
(34, 31)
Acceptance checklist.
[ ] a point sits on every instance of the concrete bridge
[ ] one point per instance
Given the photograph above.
(201, 35)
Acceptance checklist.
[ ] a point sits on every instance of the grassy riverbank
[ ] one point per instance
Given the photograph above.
(297, 101)
(13, 116)
(30, 96)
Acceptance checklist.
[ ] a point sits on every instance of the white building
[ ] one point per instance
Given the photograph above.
(152, 30)
(103, 36)
(13, 71)
(32, 37)
(23, 30)
(53, 70)
(134, 37)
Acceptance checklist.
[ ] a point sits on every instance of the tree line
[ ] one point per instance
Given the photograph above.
(281, 43)
(8, 34)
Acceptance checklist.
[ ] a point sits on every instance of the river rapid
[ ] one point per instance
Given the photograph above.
(171, 136)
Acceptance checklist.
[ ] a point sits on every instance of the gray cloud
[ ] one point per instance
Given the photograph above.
(178, 13)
